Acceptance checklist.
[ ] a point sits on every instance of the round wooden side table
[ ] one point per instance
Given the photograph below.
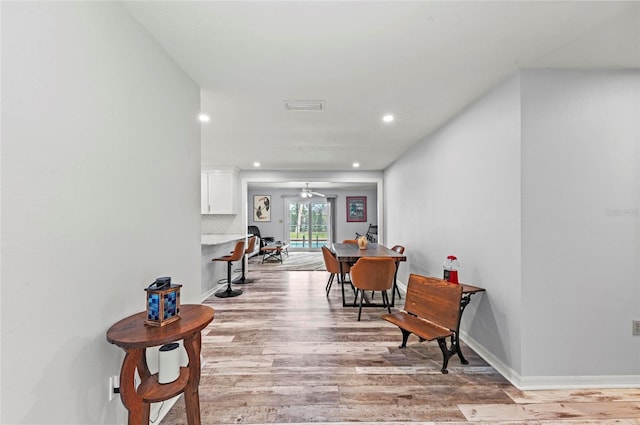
(134, 337)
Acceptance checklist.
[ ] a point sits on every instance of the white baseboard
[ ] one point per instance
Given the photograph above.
(209, 293)
(219, 286)
(159, 410)
(167, 404)
(550, 382)
(402, 286)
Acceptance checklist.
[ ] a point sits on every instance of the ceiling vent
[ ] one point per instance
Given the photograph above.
(304, 105)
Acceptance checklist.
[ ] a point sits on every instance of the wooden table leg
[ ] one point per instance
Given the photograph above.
(344, 303)
(192, 402)
(130, 398)
(395, 285)
(192, 346)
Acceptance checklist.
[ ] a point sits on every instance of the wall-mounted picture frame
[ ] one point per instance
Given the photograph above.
(356, 208)
(262, 208)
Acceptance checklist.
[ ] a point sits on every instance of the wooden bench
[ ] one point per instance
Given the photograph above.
(431, 311)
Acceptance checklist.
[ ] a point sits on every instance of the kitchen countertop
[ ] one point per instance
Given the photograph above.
(220, 238)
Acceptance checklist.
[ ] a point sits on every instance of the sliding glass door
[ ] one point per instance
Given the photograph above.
(308, 222)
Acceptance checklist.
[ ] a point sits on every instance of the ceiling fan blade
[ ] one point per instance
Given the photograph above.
(308, 193)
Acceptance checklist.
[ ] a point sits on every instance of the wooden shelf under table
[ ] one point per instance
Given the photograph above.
(152, 391)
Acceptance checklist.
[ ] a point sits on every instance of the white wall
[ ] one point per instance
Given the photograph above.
(344, 229)
(348, 229)
(100, 171)
(536, 188)
(580, 226)
(458, 192)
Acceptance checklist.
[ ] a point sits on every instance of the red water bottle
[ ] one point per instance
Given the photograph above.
(451, 267)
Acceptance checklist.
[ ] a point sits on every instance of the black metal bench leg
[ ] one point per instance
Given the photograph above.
(442, 342)
(405, 337)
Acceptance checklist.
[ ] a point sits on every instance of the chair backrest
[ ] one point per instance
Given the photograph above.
(349, 241)
(372, 233)
(330, 260)
(434, 299)
(253, 230)
(398, 248)
(373, 273)
(238, 251)
(252, 244)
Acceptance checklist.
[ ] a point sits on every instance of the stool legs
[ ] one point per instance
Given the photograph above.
(228, 292)
(242, 279)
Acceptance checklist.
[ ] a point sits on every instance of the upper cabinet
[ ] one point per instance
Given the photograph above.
(204, 193)
(218, 192)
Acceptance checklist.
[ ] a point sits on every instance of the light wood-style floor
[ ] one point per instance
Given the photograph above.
(285, 353)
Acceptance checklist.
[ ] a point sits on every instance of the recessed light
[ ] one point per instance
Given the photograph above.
(256, 164)
(204, 118)
(388, 118)
(356, 164)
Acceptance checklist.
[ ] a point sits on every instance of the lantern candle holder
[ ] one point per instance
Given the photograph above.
(163, 302)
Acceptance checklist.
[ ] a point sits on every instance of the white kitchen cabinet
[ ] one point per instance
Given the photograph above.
(204, 193)
(218, 192)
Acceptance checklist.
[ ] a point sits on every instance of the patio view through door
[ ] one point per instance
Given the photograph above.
(308, 222)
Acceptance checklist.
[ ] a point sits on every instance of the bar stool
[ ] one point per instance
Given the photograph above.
(237, 254)
(250, 248)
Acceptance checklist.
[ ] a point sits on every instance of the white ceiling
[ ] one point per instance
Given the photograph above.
(324, 186)
(422, 61)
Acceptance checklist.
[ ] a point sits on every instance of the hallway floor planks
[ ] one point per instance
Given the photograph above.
(283, 352)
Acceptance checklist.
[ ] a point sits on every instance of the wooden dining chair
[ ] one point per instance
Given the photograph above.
(373, 274)
(333, 266)
(400, 250)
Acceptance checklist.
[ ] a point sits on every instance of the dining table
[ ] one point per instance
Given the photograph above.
(349, 253)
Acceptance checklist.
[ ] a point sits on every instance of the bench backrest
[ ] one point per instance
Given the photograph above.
(434, 299)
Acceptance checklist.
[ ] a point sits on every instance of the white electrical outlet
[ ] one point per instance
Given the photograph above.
(110, 388)
(114, 386)
(636, 327)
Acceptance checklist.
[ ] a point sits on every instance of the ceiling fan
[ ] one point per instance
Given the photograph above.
(308, 193)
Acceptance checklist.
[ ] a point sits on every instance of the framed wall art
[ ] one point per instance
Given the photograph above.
(356, 208)
(262, 208)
